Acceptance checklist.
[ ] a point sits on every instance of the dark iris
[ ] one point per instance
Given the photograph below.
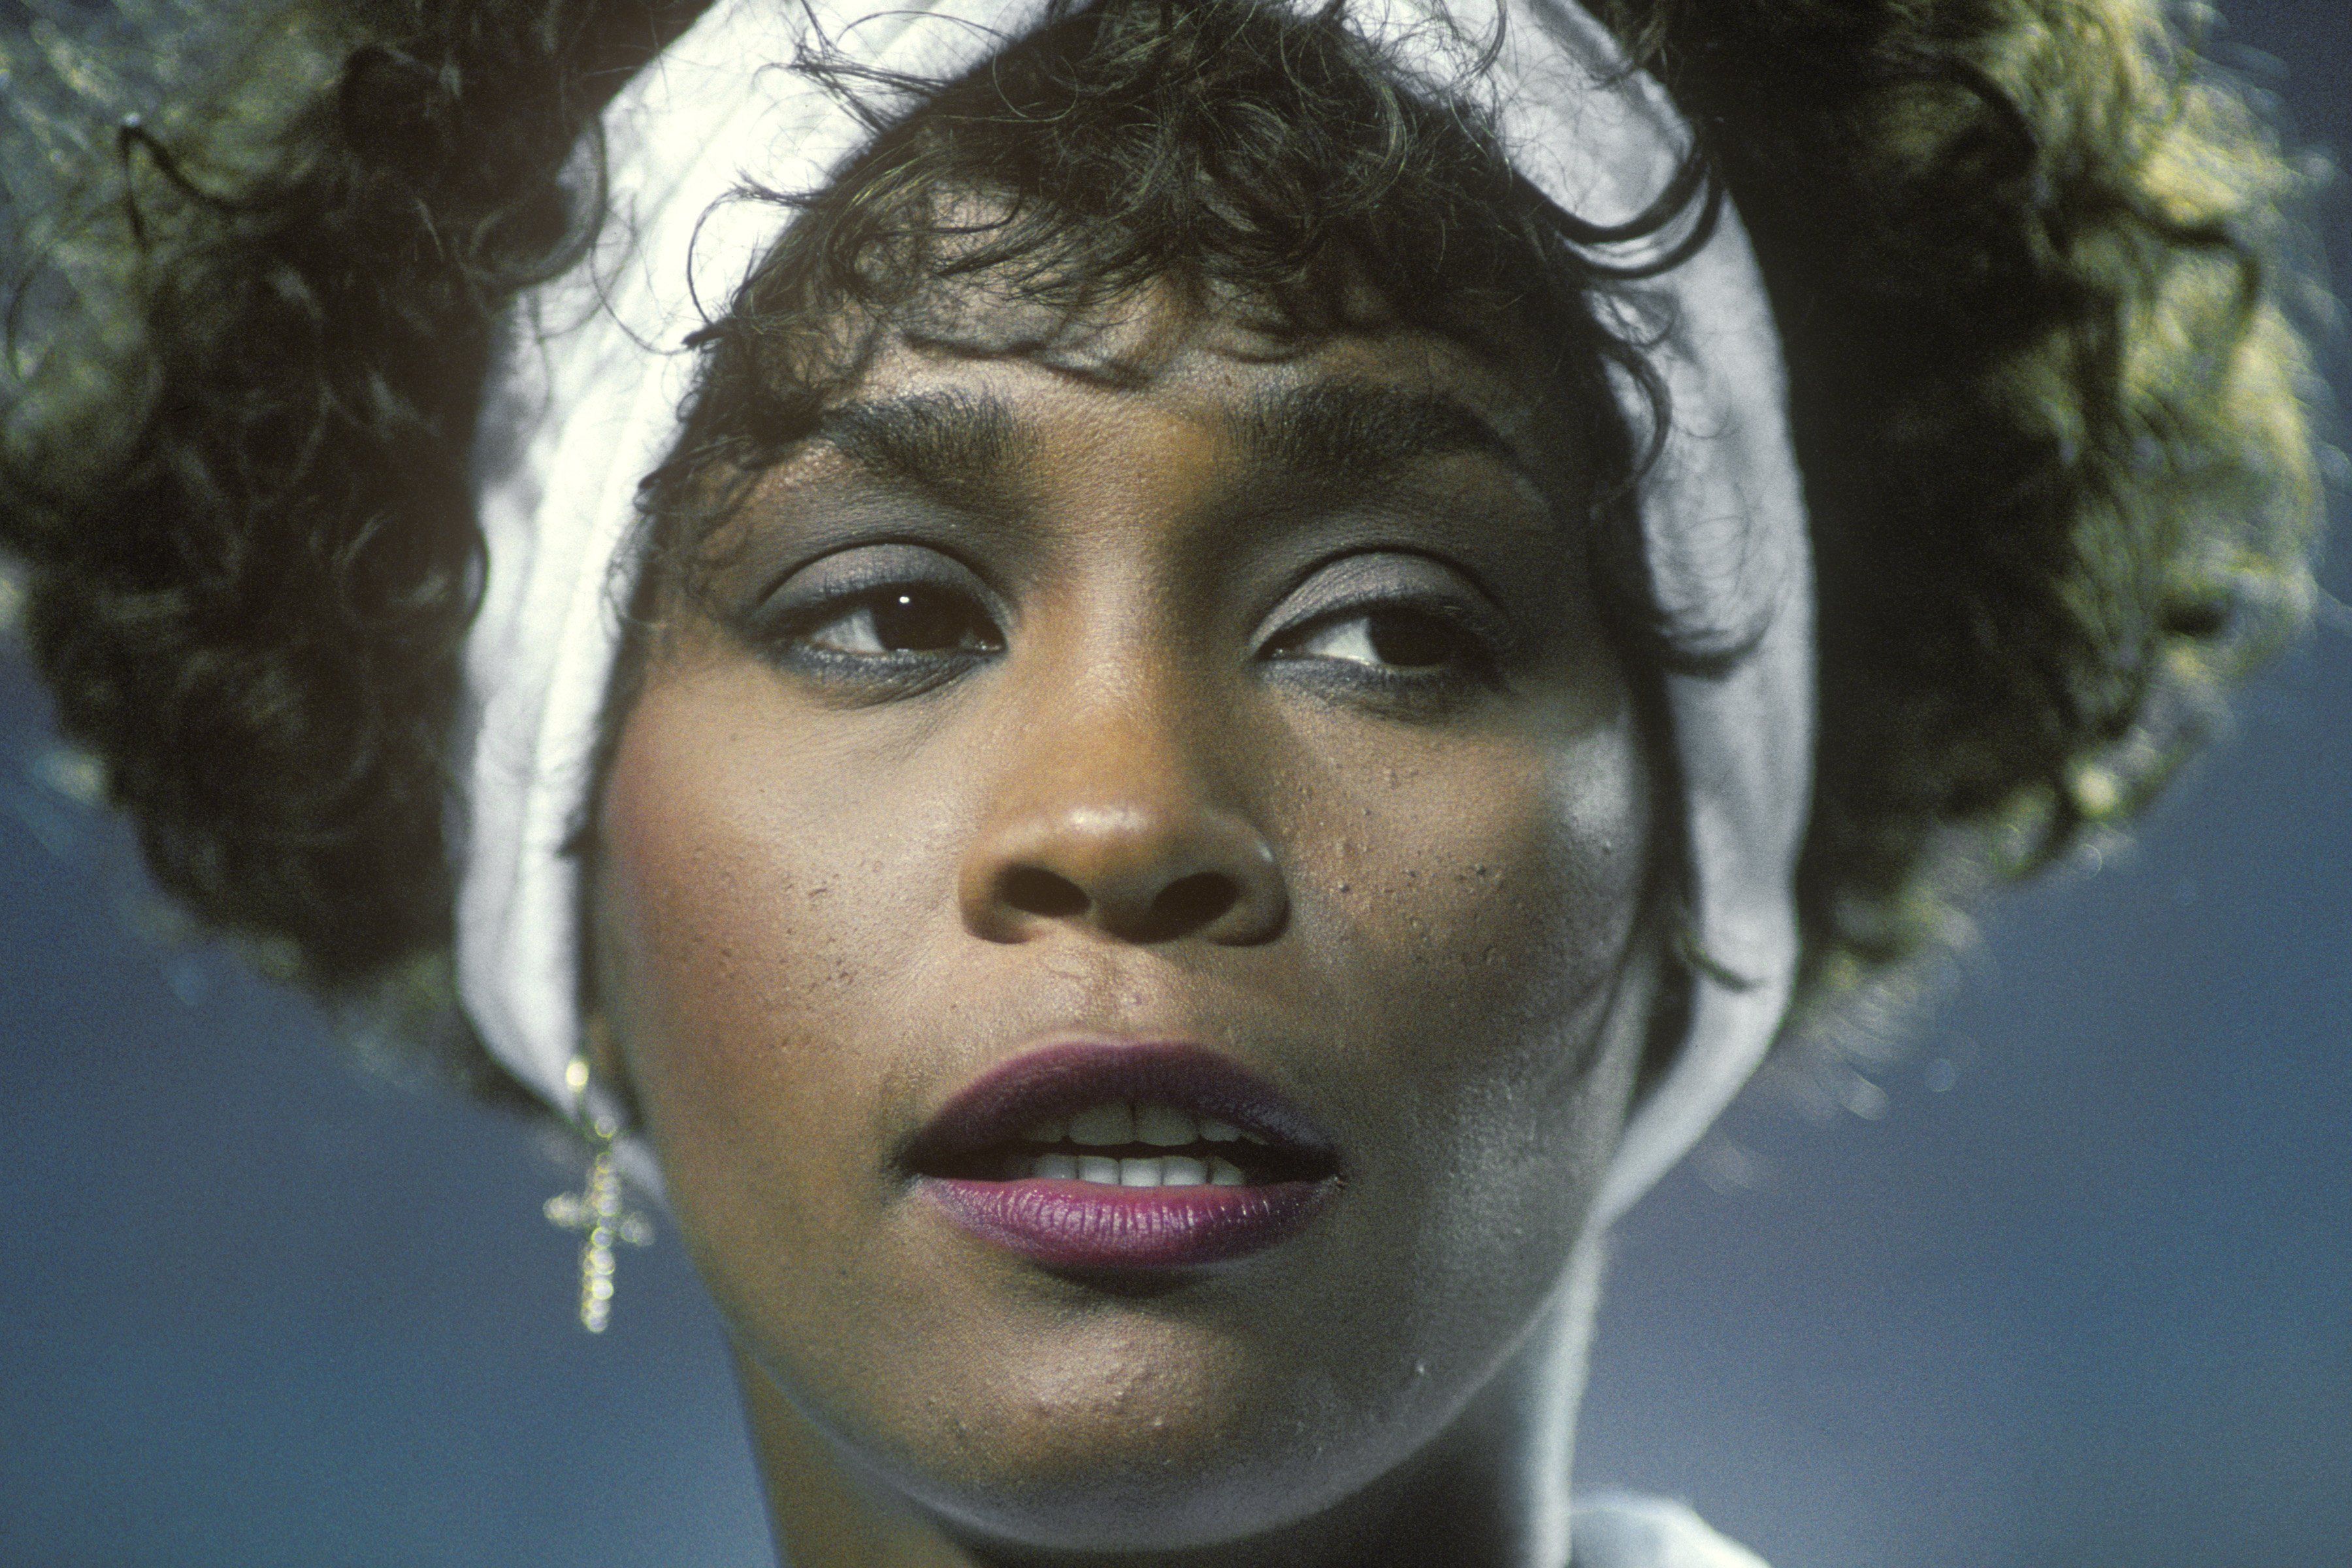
(1410, 638)
(928, 620)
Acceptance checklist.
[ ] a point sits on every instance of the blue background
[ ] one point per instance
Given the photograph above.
(2071, 1284)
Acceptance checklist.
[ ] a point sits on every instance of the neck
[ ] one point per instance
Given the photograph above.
(1490, 1491)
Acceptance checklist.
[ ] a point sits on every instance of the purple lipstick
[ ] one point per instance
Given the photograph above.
(1090, 1155)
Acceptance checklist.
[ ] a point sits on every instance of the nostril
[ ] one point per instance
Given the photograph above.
(1035, 891)
(1189, 903)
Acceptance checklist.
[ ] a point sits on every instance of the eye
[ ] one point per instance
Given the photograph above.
(1391, 637)
(878, 621)
(906, 619)
(1401, 633)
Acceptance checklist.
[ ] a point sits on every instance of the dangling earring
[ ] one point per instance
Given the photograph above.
(598, 1211)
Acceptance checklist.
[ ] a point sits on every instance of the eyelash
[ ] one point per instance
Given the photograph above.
(791, 639)
(1473, 657)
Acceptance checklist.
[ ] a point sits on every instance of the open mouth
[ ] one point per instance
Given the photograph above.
(1099, 1155)
(1118, 1144)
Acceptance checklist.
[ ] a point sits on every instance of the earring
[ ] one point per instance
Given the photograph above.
(598, 1211)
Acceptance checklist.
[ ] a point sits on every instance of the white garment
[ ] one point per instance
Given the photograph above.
(1625, 1530)
(590, 402)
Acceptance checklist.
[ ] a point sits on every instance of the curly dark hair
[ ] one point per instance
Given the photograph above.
(2026, 256)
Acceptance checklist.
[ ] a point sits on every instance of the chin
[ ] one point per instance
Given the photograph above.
(1084, 1417)
(1143, 1474)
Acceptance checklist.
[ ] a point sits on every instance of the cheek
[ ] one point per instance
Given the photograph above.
(750, 941)
(1477, 905)
(1496, 879)
(1505, 856)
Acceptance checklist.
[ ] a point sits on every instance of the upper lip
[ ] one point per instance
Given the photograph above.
(1063, 1078)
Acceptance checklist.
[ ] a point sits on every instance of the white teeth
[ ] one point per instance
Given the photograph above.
(1160, 1126)
(1166, 1171)
(1104, 1124)
(1164, 1127)
(1182, 1171)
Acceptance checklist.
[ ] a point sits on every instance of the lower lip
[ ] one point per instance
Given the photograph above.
(1086, 1225)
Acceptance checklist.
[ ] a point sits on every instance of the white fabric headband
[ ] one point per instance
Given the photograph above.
(589, 402)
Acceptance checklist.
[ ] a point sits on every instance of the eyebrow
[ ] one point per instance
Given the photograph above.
(956, 446)
(1350, 435)
(1342, 436)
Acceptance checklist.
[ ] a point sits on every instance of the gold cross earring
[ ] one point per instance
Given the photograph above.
(599, 1211)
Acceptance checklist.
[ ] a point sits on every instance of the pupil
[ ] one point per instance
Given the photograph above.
(922, 622)
(1402, 638)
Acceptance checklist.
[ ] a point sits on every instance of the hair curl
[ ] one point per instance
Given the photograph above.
(2028, 259)
(2025, 255)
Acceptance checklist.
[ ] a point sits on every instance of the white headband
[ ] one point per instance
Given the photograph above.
(589, 402)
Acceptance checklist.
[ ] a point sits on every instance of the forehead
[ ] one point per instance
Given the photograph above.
(976, 397)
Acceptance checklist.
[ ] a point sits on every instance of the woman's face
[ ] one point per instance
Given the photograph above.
(1154, 756)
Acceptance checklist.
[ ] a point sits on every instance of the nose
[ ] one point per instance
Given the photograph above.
(1105, 826)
